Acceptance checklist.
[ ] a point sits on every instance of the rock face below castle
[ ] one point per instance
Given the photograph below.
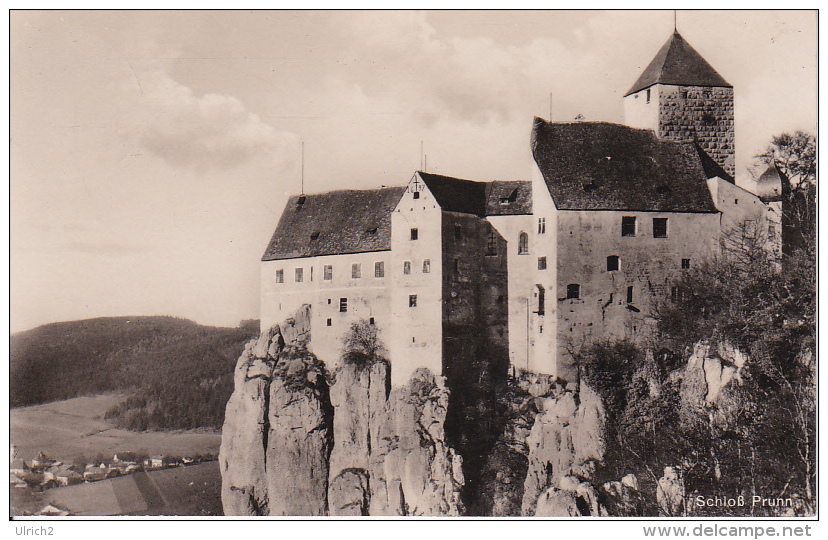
(295, 443)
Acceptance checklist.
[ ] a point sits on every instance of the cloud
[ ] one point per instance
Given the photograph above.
(213, 131)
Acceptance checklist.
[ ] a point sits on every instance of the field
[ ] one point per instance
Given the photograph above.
(182, 491)
(74, 428)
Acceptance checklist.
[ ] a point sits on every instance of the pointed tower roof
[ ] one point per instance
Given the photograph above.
(678, 63)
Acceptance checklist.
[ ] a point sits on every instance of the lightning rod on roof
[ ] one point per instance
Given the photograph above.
(550, 106)
(675, 20)
(303, 169)
(421, 155)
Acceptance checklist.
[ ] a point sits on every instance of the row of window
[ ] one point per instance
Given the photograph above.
(356, 271)
(629, 226)
(614, 263)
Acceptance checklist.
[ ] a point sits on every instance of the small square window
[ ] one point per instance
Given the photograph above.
(659, 227)
(629, 294)
(330, 323)
(327, 272)
(280, 276)
(298, 275)
(458, 232)
(414, 234)
(356, 271)
(426, 266)
(329, 301)
(491, 244)
(343, 305)
(573, 291)
(407, 267)
(379, 269)
(541, 225)
(612, 263)
(371, 321)
(412, 300)
(541, 263)
(628, 226)
(685, 264)
(416, 194)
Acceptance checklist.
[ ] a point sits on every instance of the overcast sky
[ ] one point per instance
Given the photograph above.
(152, 152)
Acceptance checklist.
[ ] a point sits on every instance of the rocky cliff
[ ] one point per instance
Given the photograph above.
(296, 443)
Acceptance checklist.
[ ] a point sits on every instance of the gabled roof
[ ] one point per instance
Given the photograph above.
(603, 166)
(508, 198)
(455, 194)
(497, 198)
(677, 63)
(335, 222)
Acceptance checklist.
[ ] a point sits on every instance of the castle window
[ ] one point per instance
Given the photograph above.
(314, 235)
(343, 305)
(628, 226)
(456, 267)
(426, 266)
(329, 322)
(542, 225)
(371, 321)
(327, 272)
(407, 267)
(416, 194)
(491, 244)
(573, 291)
(683, 93)
(541, 300)
(412, 300)
(541, 263)
(612, 263)
(501, 299)
(414, 234)
(677, 294)
(659, 227)
(458, 232)
(512, 197)
(648, 95)
(630, 294)
(379, 269)
(685, 264)
(356, 271)
(523, 243)
(298, 275)
(280, 276)
(329, 301)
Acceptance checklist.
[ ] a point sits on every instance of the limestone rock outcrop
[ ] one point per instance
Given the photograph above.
(670, 493)
(295, 444)
(276, 438)
(390, 456)
(566, 445)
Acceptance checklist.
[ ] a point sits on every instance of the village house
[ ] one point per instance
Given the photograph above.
(530, 271)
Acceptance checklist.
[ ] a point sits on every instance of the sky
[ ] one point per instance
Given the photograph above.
(151, 153)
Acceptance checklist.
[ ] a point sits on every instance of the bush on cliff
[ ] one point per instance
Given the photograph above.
(362, 345)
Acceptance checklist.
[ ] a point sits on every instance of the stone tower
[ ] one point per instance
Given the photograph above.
(681, 97)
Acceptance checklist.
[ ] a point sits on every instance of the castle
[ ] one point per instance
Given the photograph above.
(450, 269)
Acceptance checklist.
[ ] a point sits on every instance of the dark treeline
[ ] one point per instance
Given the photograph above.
(176, 373)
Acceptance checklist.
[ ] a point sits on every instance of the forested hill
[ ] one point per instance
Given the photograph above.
(179, 374)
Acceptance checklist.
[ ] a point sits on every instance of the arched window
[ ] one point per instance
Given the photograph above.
(612, 263)
(523, 243)
(541, 299)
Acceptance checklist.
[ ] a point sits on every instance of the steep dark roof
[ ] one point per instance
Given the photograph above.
(603, 166)
(334, 222)
(711, 168)
(677, 63)
(508, 198)
(456, 195)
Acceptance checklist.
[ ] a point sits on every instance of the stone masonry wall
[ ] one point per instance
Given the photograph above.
(702, 114)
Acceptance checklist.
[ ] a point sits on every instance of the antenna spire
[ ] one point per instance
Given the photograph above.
(550, 106)
(303, 168)
(675, 21)
(422, 167)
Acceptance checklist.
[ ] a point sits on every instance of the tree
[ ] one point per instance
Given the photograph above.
(362, 344)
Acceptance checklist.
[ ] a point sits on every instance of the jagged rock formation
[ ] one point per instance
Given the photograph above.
(390, 455)
(292, 445)
(565, 446)
(670, 493)
(277, 431)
